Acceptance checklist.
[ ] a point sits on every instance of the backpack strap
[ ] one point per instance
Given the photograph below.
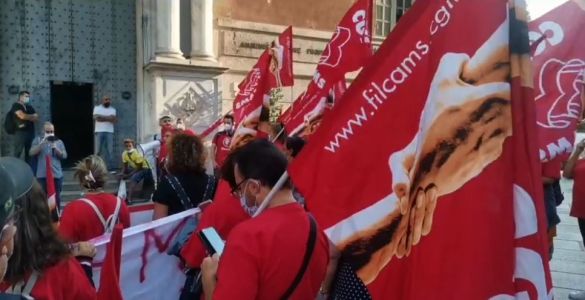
(25, 289)
(306, 259)
(178, 188)
(96, 210)
(112, 220)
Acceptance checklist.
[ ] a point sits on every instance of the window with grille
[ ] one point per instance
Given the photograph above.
(387, 13)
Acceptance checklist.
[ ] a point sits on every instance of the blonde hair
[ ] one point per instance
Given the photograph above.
(91, 172)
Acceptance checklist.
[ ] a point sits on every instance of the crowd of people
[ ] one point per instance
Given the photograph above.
(282, 253)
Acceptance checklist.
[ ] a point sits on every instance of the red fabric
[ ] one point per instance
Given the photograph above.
(51, 191)
(213, 127)
(552, 169)
(348, 50)
(281, 65)
(223, 214)
(263, 255)
(578, 206)
(559, 63)
(110, 275)
(253, 90)
(64, 281)
(79, 221)
(405, 113)
(222, 143)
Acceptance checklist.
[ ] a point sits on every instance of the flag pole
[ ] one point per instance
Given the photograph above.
(271, 194)
(278, 135)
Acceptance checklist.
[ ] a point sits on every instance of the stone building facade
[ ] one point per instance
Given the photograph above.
(183, 58)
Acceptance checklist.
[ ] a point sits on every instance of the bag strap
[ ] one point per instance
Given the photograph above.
(112, 220)
(208, 189)
(178, 188)
(96, 210)
(25, 289)
(306, 259)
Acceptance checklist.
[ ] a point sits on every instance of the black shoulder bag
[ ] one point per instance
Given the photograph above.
(308, 254)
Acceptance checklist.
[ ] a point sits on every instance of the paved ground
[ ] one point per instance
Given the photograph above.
(568, 264)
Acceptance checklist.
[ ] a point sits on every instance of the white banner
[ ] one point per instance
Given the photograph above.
(147, 272)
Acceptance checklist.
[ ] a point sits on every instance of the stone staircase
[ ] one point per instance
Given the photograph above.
(72, 190)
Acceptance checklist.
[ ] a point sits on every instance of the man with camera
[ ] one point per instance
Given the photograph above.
(49, 145)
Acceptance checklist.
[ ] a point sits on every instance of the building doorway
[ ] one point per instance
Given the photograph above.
(72, 115)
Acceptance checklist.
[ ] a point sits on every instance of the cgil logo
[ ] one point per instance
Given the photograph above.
(361, 25)
(553, 33)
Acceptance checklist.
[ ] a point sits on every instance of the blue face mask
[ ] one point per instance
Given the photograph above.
(26, 99)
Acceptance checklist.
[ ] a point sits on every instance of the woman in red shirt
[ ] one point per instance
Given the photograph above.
(264, 256)
(575, 169)
(87, 218)
(41, 265)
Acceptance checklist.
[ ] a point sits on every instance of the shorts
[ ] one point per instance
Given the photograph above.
(144, 174)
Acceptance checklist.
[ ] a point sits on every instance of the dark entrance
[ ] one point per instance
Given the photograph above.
(72, 115)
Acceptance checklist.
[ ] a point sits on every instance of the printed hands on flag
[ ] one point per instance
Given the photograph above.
(462, 129)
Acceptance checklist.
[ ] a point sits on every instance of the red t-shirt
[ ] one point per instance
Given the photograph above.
(578, 206)
(79, 221)
(223, 214)
(264, 254)
(63, 281)
(222, 143)
(552, 169)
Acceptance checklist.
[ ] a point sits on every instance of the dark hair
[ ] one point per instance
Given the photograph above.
(295, 144)
(228, 116)
(22, 93)
(37, 245)
(259, 160)
(186, 154)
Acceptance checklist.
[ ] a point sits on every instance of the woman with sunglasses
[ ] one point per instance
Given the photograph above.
(48, 145)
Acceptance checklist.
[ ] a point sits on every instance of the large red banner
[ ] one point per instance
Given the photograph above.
(273, 70)
(440, 195)
(559, 64)
(347, 51)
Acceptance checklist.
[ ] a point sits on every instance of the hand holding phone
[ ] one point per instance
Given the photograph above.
(212, 241)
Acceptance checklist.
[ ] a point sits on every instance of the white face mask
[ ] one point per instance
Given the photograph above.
(251, 210)
(26, 99)
(49, 134)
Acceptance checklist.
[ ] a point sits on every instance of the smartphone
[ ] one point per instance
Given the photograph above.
(212, 241)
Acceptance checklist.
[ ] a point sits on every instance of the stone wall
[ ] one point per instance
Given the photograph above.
(88, 41)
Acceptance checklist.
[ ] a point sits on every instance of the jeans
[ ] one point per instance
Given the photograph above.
(104, 147)
(58, 189)
(22, 142)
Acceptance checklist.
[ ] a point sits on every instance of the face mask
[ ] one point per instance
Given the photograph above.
(49, 134)
(106, 105)
(250, 210)
(26, 99)
(131, 150)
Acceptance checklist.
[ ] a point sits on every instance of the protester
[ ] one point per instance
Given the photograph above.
(551, 173)
(186, 182)
(294, 145)
(48, 145)
(105, 118)
(136, 168)
(88, 217)
(264, 255)
(25, 118)
(221, 142)
(41, 265)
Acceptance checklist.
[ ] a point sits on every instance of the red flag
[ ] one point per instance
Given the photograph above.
(281, 60)
(254, 89)
(348, 50)
(435, 202)
(51, 190)
(559, 63)
(109, 288)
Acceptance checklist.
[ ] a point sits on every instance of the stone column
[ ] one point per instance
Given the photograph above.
(202, 29)
(168, 35)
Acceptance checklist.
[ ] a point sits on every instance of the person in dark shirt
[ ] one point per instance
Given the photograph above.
(25, 117)
(186, 171)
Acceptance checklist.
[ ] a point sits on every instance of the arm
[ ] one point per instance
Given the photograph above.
(26, 117)
(568, 170)
(36, 147)
(160, 211)
(334, 255)
(60, 151)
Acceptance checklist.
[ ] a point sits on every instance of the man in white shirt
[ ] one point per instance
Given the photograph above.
(105, 118)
